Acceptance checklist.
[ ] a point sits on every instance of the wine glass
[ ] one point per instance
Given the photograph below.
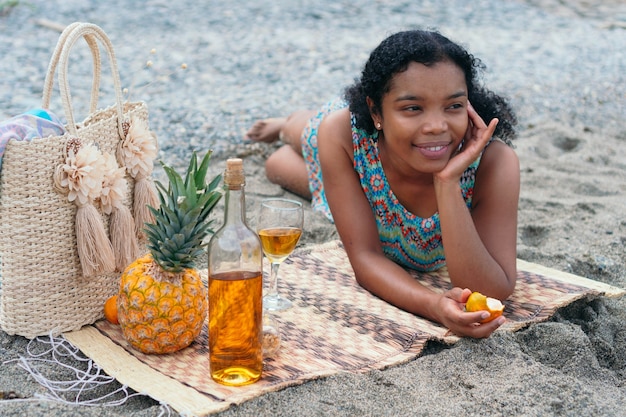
(271, 335)
(279, 227)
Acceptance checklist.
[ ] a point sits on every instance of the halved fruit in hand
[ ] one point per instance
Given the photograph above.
(480, 302)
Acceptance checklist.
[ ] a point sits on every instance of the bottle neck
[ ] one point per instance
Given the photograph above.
(235, 205)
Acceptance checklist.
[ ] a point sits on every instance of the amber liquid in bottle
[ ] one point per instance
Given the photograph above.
(234, 346)
(235, 291)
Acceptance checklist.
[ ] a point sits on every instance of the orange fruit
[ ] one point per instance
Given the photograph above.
(110, 310)
(479, 302)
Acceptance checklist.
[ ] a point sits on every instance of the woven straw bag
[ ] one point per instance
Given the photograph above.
(53, 273)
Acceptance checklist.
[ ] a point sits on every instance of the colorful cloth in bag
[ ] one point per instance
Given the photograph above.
(36, 123)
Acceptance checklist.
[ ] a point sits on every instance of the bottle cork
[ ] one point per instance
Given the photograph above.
(234, 177)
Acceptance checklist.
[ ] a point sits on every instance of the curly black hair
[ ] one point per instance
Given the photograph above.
(395, 53)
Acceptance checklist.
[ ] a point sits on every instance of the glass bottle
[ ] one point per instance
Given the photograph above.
(235, 290)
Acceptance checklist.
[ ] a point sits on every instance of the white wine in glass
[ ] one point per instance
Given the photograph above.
(279, 227)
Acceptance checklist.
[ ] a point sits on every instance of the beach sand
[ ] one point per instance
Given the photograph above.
(562, 65)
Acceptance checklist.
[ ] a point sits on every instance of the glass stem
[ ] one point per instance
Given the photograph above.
(274, 279)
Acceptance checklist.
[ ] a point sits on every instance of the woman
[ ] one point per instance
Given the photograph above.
(412, 177)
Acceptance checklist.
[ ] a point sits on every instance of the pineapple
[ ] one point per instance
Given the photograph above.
(162, 302)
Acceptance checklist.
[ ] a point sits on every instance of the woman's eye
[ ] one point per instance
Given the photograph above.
(456, 106)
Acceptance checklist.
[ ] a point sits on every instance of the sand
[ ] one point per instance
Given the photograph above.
(562, 65)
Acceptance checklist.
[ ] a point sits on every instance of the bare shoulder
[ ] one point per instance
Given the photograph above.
(336, 127)
(499, 171)
(334, 140)
(498, 158)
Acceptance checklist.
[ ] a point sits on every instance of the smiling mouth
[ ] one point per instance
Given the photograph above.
(433, 151)
(434, 148)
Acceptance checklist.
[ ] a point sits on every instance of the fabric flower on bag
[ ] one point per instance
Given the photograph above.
(139, 149)
(82, 174)
(114, 185)
(122, 224)
(137, 153)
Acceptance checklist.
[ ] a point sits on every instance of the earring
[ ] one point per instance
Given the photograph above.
(378, 126)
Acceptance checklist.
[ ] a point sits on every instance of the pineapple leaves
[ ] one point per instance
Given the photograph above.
(192, 168)
(200, 175)
(215, 183)
(177, 186)
(181, 221)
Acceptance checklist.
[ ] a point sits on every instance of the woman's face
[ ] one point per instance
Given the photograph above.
(424, 117)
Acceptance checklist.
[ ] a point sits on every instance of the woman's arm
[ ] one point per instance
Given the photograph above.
(480, 247)
(357, 228)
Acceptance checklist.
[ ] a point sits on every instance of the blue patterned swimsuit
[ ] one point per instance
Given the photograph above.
(407, 239)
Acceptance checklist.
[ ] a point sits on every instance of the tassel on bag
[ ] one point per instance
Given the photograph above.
(81, 176)
(145, 195)
(137, 153)
(122, 224)
(123, 238)
(94, 248)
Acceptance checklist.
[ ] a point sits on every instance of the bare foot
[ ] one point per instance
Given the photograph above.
(266, 130)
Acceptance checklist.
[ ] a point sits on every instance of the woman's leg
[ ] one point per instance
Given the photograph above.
(286, 166)
(266, 130)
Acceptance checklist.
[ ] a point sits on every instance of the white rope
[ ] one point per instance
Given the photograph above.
(59, 351)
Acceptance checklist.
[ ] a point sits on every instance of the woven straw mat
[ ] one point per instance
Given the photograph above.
(334, 326)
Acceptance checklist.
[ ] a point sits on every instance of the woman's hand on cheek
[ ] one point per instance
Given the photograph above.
(453, 315)
(477, 135)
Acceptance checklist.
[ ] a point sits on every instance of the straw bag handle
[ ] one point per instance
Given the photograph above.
(94, 32)
(52, 67)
